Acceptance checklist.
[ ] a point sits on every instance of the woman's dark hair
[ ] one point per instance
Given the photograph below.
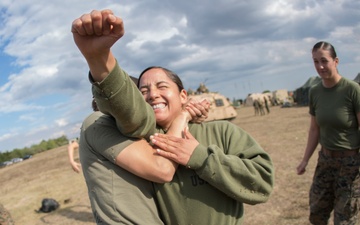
(173, 76)
(325, 46)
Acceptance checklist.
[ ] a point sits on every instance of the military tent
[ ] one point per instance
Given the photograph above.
(281, 96)
(302, 93)
(357, 78)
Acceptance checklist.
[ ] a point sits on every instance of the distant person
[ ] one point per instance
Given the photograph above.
(261, 107)
(5, 216)
(334, 107)
(273, 101)
(277, 101)
(266, 105)
(74, 145)
(256, 105)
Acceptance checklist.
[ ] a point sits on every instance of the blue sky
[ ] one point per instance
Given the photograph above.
(236, 46)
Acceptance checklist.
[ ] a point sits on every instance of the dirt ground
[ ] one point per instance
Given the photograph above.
(282, 133)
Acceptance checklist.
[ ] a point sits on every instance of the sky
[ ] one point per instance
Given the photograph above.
(235, 47)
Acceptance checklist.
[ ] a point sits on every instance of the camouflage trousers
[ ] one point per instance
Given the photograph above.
(5, 217)
(336, 186)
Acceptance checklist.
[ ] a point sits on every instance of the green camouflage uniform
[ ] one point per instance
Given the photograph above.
(5, 217)
(336, 185)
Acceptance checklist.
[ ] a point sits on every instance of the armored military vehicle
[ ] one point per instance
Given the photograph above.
(220, 107)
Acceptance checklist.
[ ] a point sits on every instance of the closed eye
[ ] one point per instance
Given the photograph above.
(144, 91)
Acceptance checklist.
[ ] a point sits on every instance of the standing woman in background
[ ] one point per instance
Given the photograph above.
(74, 146)
(334, 106)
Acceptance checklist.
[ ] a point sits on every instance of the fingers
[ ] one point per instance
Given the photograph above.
(167, 147)
(95, 26)
(193, 111)
(301, 169)
(300, 172)
(159, 139)
(112, 24)
(84, 25)
(89, 21)
(76, 27)
(167, 155)
(165, 142)
(206, 104)
(203, 106)
(164, 149)
(117, 25)
(107, 20)
(198, 110)
(98, 23)
(177, 149)
(76, 167)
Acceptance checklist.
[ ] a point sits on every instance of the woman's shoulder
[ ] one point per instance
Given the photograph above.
(350, 83)
(98, 117)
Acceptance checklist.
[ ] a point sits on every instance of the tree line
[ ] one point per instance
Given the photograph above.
(34, 149)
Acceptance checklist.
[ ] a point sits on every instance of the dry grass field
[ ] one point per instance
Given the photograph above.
(282, 133)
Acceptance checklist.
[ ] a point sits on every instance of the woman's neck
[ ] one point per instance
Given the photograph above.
(163, 127)
(331, 82)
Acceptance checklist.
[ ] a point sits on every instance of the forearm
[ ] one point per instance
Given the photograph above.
(118, 96)
(179, 124)
(137, 157)
(312, 143)
(313, 139)
(71, 154)
(140, 159)
(101, 65)
(71, 150)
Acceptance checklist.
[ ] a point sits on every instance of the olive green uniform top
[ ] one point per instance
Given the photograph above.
(228, 168)
(335, 111)
(119, 93)
(116, 195)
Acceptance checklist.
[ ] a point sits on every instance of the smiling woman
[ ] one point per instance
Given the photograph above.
(160, 87)
(123, 158)
(216, 158)
(220, 167)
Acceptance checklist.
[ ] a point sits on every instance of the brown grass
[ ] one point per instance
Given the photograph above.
(282, 133)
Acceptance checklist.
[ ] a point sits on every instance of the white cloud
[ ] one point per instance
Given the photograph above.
(7, 136)
(254, 45)
(61, 122)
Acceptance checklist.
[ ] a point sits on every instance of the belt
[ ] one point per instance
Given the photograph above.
(340, 154)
